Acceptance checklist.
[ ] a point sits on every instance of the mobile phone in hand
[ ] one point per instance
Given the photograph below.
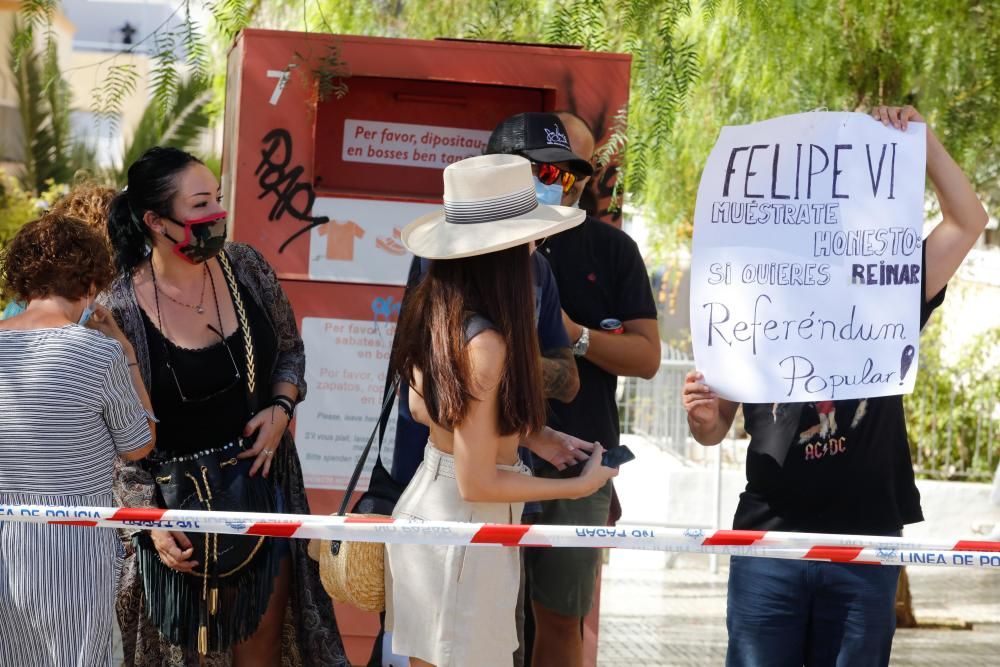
(616, 456)
(612, 458)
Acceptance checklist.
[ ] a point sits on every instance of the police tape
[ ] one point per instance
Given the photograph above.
(863, 549)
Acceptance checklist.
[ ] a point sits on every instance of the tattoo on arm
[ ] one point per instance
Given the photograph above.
(559, 375)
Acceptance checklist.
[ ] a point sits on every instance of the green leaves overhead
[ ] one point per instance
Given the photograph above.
(665, 60)
(33, 14)
(580, 23)
(697, 65)
(47, 151)
(119, 83)
(165, 77)
(181, 124)
(846, 55)
(231, 16)
(193, 42)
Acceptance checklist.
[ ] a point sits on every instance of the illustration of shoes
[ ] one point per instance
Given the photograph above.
(390, 245)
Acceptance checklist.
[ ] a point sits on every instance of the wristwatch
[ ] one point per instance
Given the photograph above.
(581, 346)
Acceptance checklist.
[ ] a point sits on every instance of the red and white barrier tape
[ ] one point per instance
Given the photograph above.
(864, 549)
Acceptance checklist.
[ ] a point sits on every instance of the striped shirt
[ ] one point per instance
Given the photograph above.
(67, 407)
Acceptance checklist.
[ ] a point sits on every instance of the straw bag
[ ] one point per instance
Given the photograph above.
(354, 572)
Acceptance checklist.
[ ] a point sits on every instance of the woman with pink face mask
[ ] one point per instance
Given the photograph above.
(218, 348)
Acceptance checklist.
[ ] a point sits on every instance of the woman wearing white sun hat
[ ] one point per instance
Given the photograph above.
(466, 345)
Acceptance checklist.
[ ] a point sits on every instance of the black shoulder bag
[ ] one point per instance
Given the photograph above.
(383, 491)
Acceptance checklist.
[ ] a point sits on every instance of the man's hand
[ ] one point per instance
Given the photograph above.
(898, 117)
(700, 402)
(559, 449)
(963, 217)
(709, 417)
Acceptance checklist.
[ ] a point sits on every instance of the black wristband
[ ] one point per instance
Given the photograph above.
(285, 404)
(284, 397)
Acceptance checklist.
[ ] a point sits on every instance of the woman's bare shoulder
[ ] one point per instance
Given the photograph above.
(487, 357)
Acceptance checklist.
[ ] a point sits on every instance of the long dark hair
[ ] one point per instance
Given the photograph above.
(151, 187)
(431, 337)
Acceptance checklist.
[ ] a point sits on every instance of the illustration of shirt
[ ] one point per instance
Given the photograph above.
(340, 237)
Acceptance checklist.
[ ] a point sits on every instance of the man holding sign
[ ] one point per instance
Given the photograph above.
(809, 288)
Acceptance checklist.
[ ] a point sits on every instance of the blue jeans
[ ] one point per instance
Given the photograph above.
(790, 613)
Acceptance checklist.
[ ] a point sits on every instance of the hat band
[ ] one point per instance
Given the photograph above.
(490, 210)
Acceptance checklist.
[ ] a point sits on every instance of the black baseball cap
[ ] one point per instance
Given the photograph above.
(540, 137)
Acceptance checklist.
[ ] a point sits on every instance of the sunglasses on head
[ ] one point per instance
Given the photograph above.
(549, 174)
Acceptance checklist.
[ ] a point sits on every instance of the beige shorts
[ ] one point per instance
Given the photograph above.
(451, 605)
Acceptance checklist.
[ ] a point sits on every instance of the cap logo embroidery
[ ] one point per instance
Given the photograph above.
(554, 136)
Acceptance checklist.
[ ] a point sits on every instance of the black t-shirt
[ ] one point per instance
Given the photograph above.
(830, 466)
(601, 276)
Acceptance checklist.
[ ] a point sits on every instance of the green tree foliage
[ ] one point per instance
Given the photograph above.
(35, 15)
(697, 65)
(48, 151)
(953, 418)
(51, 156)
(17, 206)
(665, 63)
(179, 43)
(180, 125)
(942, 57)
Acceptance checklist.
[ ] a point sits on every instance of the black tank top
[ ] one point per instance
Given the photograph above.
(217, 408)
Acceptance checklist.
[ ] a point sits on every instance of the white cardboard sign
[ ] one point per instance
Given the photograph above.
(806, 259)
(345, 373)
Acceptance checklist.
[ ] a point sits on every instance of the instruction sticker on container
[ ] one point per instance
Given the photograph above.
(345, 372)
(806, 271)
(409, 145)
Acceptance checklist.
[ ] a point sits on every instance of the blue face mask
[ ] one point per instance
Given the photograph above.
(87, 312)
(548, 194)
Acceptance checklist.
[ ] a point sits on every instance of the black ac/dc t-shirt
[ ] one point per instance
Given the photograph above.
(601, 276)
(830, 466)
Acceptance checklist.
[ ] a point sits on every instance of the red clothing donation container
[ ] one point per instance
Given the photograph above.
(322, 185)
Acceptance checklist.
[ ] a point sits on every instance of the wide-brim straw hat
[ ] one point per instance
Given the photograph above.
(489, 205)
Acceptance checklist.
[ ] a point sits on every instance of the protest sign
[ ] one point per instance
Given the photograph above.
(806, 260)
